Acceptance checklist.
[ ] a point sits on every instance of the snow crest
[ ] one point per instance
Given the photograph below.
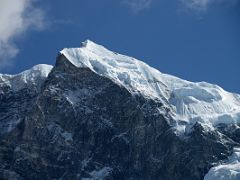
(32, 76)
(190, 102)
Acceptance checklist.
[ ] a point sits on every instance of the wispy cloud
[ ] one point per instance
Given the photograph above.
(203, 5)
(197, 4)
(16, 17)
(137, 5)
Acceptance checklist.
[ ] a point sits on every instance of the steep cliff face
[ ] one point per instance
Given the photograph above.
(17, 93)
(101, 115)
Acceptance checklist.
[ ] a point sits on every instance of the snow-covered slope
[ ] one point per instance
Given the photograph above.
(229, 170)
(32, 76)
(190, 102)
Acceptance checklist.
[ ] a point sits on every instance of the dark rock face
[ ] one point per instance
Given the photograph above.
(14, 106)
(82, 125)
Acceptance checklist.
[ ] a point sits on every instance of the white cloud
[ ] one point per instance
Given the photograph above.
(137, 5)
(16, 17)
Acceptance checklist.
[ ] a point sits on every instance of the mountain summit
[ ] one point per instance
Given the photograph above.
(98, 114)
(189, 102)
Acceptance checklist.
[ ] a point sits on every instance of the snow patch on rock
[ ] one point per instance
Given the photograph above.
(99, 174)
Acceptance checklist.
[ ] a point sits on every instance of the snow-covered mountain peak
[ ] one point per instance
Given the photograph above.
(40, 70)
(190, 102)
(32, 76)
(82, 116)
(92, 45)
(127, 71)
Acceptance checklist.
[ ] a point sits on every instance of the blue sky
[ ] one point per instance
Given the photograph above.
(197, 40)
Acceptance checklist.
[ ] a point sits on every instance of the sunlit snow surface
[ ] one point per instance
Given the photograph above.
(190, 102)
(226, 171)
(31, 76)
